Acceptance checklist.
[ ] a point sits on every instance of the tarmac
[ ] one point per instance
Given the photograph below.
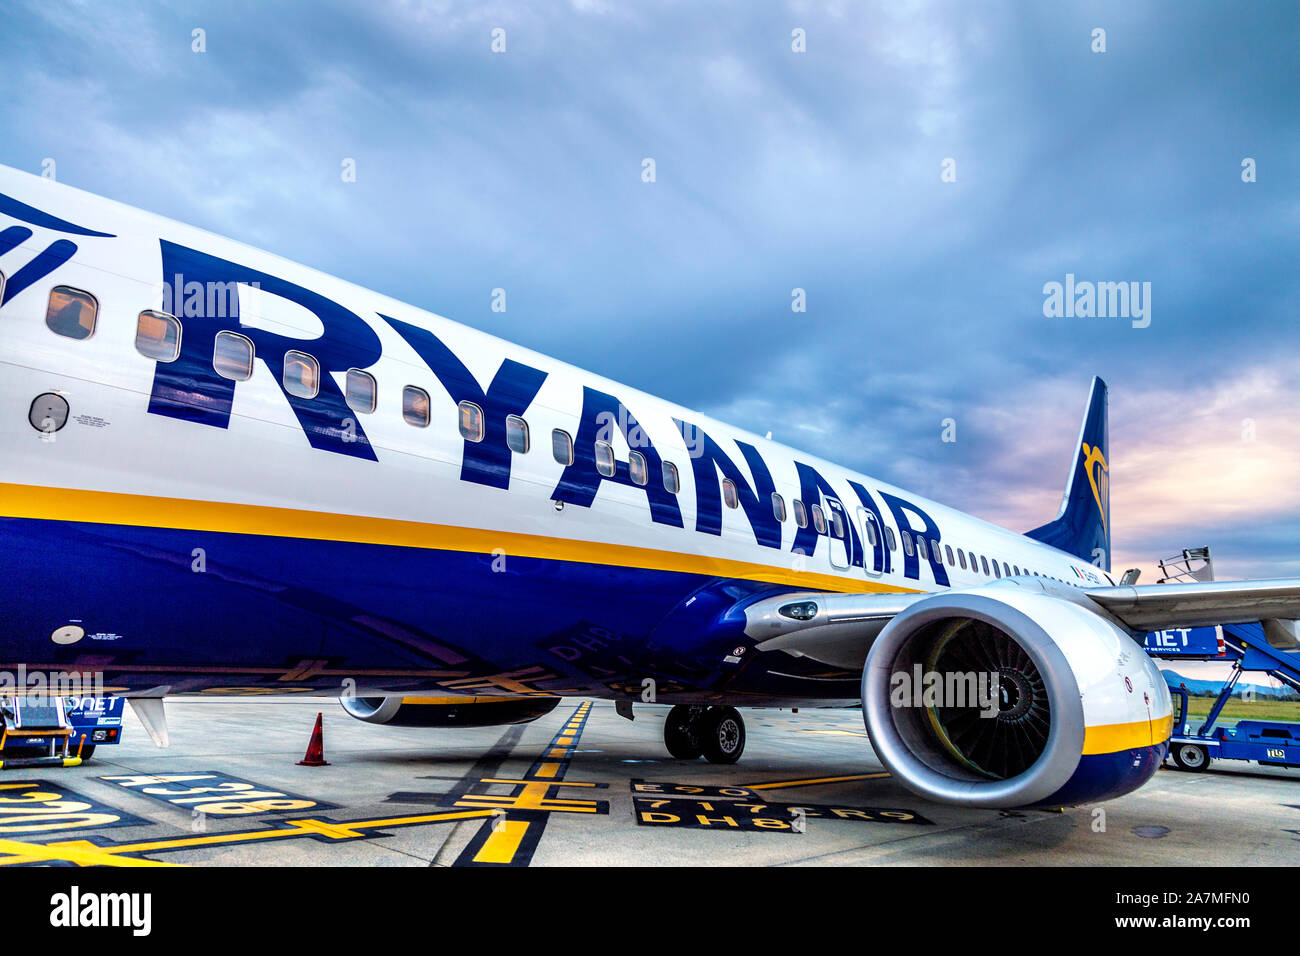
(584, 786)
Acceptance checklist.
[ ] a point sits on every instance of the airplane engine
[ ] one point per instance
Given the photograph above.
(1077, 713)
(448, 711)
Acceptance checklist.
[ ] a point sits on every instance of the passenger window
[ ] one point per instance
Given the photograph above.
(908, 549)
(301, 374)
(672, 482)
(948, 550)
(889, 538)
(729, 493)
(837, 524)
(2, 286)
(985, 565)
(921, 550)
(819, 519)
(157, 336)
(517, 434)
(605, 459)
(1016, 568)
(232, 356)
(869, 527)
(562, 447)
(415, 406)
(471, 421)
(778, 506)
(961, 555)
(996, 572)
(800, 513)
(71, 312)
(362, 391)
(637, 469)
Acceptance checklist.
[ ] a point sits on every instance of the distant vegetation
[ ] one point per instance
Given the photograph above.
(1246, 709)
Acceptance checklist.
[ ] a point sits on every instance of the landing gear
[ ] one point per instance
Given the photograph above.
(677, 733)
(717, 733)
(1191, 757)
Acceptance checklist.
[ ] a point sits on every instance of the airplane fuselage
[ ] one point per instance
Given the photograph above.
(189, 531)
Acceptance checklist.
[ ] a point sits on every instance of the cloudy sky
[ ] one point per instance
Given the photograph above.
(820, 170)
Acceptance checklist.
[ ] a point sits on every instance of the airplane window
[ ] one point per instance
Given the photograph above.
(71, 312)
(800, 514)
(985, 565)
(961, 556)
(605, 459)
(158, 336)
(948, 549)
(889, 538)
(778, 506)
(471, 421)
(562, 446)
(672, 483)
(837, 524)
(2, 286)
(908, 549)
(415, 406)
(869, 526)
(819, 519)
(362, 391)
(921, 550)
(637, 468)
(996, 572)
(974, 561)
(301, 374)
(1016, 568)
(729, 493)
(517, 434)
(232, 356)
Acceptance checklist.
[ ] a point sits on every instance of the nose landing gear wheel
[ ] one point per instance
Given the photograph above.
(722, 734)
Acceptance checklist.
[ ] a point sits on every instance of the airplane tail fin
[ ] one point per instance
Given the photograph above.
(1082, 527)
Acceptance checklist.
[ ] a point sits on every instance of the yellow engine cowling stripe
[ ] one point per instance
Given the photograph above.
(1111, 738)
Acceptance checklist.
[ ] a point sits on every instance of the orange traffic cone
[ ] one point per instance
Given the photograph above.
(315, 756)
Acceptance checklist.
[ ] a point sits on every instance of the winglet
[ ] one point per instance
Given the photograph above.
(1082, 527)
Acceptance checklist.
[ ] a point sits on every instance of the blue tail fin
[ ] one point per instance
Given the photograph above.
(1083, 526)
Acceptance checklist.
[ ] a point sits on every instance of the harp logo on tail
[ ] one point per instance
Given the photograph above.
(1098, 472)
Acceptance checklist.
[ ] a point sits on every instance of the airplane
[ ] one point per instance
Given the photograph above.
(224, 472)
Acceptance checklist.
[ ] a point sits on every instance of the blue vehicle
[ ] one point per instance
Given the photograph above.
(1273, 743)
(60, 731)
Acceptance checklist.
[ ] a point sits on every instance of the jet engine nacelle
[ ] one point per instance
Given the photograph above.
(1077, 711)
(448, 711)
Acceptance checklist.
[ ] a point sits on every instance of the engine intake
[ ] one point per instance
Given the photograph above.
(1006, 695)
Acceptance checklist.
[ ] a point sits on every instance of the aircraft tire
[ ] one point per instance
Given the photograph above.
(722, 734)
(678, 735)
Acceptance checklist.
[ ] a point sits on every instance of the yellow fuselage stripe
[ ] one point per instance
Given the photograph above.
(106, 507)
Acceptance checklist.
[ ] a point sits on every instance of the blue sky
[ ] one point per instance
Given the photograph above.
(775, 170)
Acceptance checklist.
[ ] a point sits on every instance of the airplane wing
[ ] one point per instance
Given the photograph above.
(1153, 606)
(838, 629)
